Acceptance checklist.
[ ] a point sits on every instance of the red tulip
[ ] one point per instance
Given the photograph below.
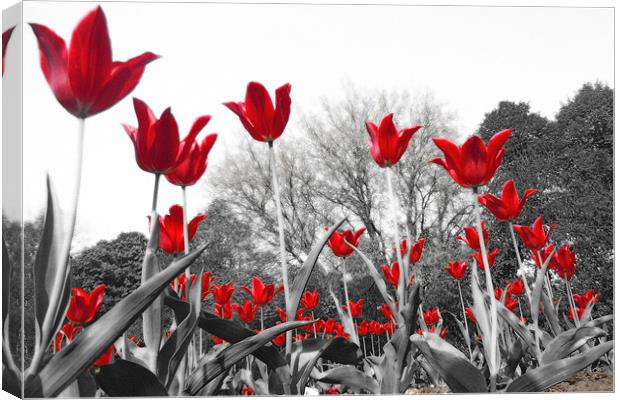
(545, 252)
(470, 314)
(247, 391)
(279, 340)
(281, 314)
(6, 35)
(329, 326)
(473, 163)
(491, 256)
(388, 327)
(511, 303)
(258, 115)
(223, 311)
(516, 288)
(386, 311)
(431, 316)
(310, 299)
(247, 312)
(338, 242)
(156, 141)
(392, 275)
(106, 356)
(387, 144)
(181, 284)
(191, 167)
(67, 331)
(509, 206)
(443, 333)
(416, 250)
(84, 306)
(457, 269)
(83, 76)
(355, 307)
(564, 261)
(205, 288)
(223, 293)
(261, 293)
(339, 331)
(471, 237)
(584, 300)
(579, 311)
(333, 390)
(217, 340)
(362, 328)
(171, 229)
(535, 237)
(499, 292)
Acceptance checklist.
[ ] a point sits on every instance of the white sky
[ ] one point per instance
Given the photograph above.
(469, 57)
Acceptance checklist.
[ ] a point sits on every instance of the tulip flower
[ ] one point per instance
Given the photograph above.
(416, 250)
(431, 316)
(457, 269)
(584, 300)
(338, 241)
(477, 256)
(171, 237)
(279, 340)
(223, 311)
(516, 288)
(387, 144)
(6, 35)
(247, 312)
(470, 314)
(247, 391)
(362, 328)
(83, 305)
(191, 167)
(106, 357)
(509, 206)
(83, 76)
(329, 326)
(473, 163)
(391, 275)
(579, 311)
(511, 303)
(67, 331)
(471, 237)
(282, 314)
(261, 293)
(545, 252)
(181, 285)
(258, 115)
(333, 390)
(355, 307)
(339, 331)
(564, 261)
(310, 299)
(223, 293)
(386, 311)
(205, 289)
(535, 237)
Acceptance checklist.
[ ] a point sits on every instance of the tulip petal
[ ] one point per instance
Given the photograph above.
(473, 164)
(192, 226)
(259, 109)
(282, 111)
(497, 142)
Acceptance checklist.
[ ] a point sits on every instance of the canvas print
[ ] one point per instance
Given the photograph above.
(300, 199)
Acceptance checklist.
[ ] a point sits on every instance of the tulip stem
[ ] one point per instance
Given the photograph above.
(516, 246)
(571, 303)
(394, 209)
(276, 197)
(465, 320)
(346, 290)
(155, 193)
(491, 292)
(262, 320)
(56, 294)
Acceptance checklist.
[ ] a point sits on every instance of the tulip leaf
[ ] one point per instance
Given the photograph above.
(64, 367)
(349, 376)
(569, 341)
(389, 371)
(521, 330)
(299, 285)
(600, 320)
(460, 375)
(212, 365)
(539, 379)
(151, 318)
(550, 314)
(342, 351)
(347, 323)
(127, 379)
(304, 356)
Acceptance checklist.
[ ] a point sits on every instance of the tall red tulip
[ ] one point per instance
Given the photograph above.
(391, 275)
(156, 141)
(83, 306)
(416, 250)
(516, 288)
(310, 299)
(473, 163)
(247, 312)
(457, 269)
(355, 307)
(545, 252)
(509, 206)
(338, 241)
(67, 331)
(386, 311)
(171, 229)
(191, 167)
(535, 237)
(262, 294)
(584, 300)
(471, 237)
(223, 311)
(362, 328)
(83, 76)
(6, 35)
(491, 256)
(223, 293)
(259, 117)
(564, 262)
(431, 316)
(387, 144)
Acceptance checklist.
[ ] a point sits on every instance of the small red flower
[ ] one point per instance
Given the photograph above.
(223, 293)
(106, 357)
(362, 328)
(280, 340)
(578, 310)
(330, 326)
(545, 252)
(223, 311)
(355, 307)
(338, 242)
(191, 167)
(84, 306)
(67, 331)
(516, 288)
(6, 36)
(511, 303)
(310, 299)
(333, 390)
(509, 206)
(473, 163)
(499, 293)
(535, 237)
(339, 331)
(387, 145)
(431, 316)
(391, 275)
(386, 311)
(247, 391)
(457, 269)
(443, 333)
(564, 262)
(281, 314)
(491, 256)
(470, 314)
(258, 115)
(261, 293)
(217, 340)
(584, 300)
(181, 285)
(247, 312)
(471, 237)
(171, 229)
(83, 76)
(205, 288)
(416, 250)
